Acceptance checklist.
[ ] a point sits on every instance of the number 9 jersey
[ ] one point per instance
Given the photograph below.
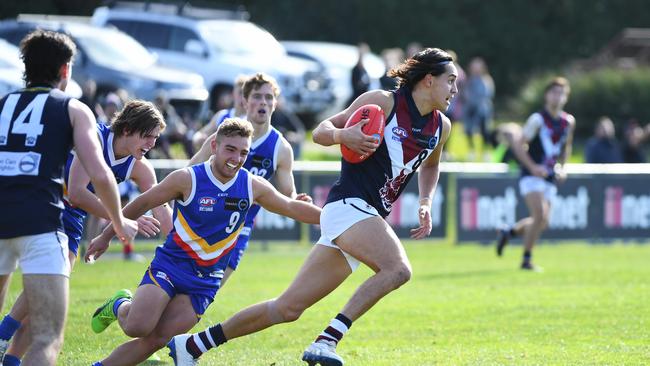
(208, 222)
(35, 139)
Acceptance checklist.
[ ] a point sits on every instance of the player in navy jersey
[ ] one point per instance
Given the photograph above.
(38, 127)
(270, 156)
(211, 202)
(353, 228)
(548, 135)
(132, 133)
(238, 110)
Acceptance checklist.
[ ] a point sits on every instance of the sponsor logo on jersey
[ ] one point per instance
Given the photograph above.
(207, 203)
(261, 162)
(236, 204)
(399, 134)
(427, 141)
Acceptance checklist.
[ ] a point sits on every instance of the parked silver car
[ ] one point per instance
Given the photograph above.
(219, 49)
(115, 60)
(337, 61)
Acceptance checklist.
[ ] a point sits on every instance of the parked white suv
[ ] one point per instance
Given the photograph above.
(219, 49)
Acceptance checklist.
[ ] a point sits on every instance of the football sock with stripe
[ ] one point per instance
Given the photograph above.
(201, 342)
(336, 330)
(8, 327)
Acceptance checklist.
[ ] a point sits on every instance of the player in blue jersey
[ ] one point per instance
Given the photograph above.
(548, 135)
(211, 202)
(132, 133)
(270, 156)
(38, 126)
(238, 110)
(353, 228)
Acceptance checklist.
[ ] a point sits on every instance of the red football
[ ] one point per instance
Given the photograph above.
(375, 127)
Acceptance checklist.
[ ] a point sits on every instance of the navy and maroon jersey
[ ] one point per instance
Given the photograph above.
(35, 139)
(409, 138)
(546, 145)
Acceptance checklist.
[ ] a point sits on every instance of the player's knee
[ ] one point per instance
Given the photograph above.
(48, 341)
(401, 275)
(288, 311)
(136, 330)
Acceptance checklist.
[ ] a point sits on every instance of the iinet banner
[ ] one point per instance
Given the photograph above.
(589, 207)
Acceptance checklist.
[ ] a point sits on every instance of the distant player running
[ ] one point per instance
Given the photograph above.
(549, 135)
(353, 228)
(132, 133)
(211, 202)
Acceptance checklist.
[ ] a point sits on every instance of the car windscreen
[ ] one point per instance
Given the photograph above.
(240, 38)
(115, 49)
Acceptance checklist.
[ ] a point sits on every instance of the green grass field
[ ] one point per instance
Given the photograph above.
(463, 306)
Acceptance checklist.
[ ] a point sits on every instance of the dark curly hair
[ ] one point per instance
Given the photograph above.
(428, 61)
(43, 53)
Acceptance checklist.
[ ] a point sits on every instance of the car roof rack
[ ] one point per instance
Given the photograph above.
(181, 8)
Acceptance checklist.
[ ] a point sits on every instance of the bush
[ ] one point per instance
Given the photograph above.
(619, 94)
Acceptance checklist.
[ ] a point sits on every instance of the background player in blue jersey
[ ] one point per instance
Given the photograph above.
(38, 126)
(353, 228)
(238, 110)
(270, 156)
(548, 135)
(133, 132)
(211, 201)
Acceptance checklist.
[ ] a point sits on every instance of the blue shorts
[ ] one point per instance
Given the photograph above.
(74, 237)
(178, 276)
(238, 251)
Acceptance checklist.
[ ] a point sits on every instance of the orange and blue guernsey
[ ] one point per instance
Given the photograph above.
(207, 224)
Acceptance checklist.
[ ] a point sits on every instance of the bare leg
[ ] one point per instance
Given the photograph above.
(21, 339)
(178, 317)
(47, 300)
(4, 287)
(324, 270)
(539, 209)
(375, 244)
(140, 317)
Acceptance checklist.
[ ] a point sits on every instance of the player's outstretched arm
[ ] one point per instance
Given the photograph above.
(144, 176)
(176, 185)
(269, 198)
(80, 196)
(89, 152)
(332, 130)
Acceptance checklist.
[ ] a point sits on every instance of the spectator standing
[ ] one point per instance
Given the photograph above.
(603, 147)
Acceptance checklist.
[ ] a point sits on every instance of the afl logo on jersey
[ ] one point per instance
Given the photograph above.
(399, 134)
(207, 203)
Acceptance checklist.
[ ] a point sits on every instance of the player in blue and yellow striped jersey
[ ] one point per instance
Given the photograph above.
(211, 202)
(270, 155)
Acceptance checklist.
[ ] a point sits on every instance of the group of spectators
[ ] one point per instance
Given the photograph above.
(604, 147)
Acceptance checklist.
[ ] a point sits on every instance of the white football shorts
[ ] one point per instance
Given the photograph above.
(337, 217)
(36, 254)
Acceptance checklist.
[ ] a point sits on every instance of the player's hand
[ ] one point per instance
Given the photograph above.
(148, 226)
(127, 231)
(424, 215)
(96, 248)
(304, 197)
(357, 141)
(539, 171)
